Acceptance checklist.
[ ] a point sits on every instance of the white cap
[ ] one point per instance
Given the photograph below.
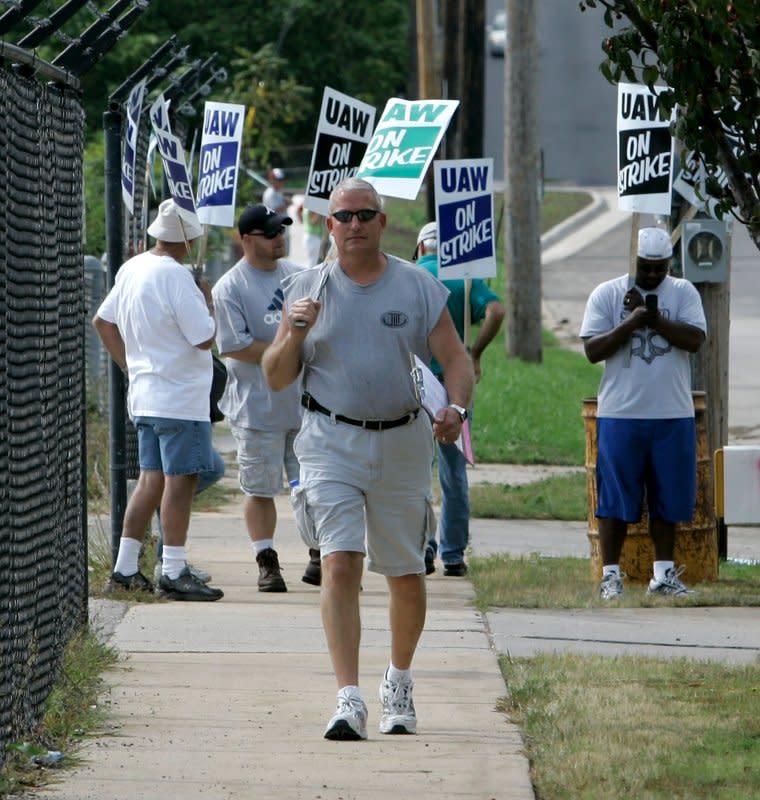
(429, 231)
(168, 226)
(654, 244)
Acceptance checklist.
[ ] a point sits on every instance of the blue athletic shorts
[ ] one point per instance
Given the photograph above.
(174, 446)
(657, 455)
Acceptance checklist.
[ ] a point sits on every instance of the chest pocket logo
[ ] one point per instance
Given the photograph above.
(394, 319)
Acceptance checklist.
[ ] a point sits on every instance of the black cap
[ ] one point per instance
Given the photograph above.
(261, 218)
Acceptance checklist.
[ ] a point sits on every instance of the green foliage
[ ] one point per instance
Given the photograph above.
(275, 103)
(708, 54)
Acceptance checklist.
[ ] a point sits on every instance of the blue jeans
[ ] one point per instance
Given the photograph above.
(454, 525)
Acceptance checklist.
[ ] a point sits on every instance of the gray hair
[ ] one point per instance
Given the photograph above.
(354, 184)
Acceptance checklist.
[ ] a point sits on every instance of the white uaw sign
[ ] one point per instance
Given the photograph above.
(645, 151)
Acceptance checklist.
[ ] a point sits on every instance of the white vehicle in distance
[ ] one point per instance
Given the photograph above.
(497, 34)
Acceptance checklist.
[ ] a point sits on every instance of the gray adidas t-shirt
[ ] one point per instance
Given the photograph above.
(248, 305)
(356, 357)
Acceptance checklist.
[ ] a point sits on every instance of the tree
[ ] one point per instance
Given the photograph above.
(708, 55)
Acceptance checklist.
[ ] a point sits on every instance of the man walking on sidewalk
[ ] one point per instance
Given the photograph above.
(264, 424)
(158, 324)
(364, 448)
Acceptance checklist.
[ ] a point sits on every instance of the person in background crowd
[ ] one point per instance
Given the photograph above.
(644, 331)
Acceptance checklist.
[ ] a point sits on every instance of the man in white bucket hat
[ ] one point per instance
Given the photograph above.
(158, 324)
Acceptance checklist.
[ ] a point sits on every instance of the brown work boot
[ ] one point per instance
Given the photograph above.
(270, 578)
(313, 572)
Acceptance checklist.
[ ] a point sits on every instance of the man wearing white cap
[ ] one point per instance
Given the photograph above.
(158, 325)
(645, 413)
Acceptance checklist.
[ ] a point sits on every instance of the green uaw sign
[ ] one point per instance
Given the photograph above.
(403, 145)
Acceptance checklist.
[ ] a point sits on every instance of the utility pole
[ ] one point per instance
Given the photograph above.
(463, 68)
(429, 83)
(522, 159)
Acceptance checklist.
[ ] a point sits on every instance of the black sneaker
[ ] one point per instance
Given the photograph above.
(455, 570)
(187, 587)
(429, 560)
(313, 572)
(270, 578)
(128, 583)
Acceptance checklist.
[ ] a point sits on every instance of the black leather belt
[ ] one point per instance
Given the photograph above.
(309, 403)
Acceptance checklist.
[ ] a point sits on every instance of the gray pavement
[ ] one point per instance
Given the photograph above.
(229, 700)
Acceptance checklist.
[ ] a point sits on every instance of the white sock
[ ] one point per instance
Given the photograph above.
(611, 569)
(349, 692)
(129, 555)
(660, 568)
(398, 675)
(174, 560)
(262, 544)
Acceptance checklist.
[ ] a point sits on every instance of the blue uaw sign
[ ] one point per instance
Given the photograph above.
(173, 159)
(464, 213)
(219, 157)
(129, 159)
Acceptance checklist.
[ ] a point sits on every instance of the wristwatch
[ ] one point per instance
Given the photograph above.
(461, 411)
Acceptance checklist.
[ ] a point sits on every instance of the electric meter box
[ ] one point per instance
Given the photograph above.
(704, 251)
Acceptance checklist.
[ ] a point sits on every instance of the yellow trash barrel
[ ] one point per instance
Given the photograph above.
(696, 541)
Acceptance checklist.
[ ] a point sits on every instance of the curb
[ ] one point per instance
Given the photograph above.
(570, 225)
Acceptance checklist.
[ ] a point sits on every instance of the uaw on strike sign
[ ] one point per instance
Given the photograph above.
(219, 158)
(645, 151)
(345, 126)
(464, 214)
(403, 145)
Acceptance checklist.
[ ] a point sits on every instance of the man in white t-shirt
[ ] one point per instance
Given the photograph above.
(274, 197)
(644, 331)
(248, 300)
(158, 325)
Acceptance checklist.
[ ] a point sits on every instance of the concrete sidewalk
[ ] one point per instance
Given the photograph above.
(230, 699)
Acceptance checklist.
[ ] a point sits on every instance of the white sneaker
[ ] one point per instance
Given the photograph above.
(398, 707)
(198, 573)
(670, 584)
(349, 723)
(611, 587)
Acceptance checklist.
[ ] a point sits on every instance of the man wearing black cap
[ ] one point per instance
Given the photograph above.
(248, 299)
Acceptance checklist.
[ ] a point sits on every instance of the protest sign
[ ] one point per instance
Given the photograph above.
(464, 214)
(173, 159)
(129, 155)
(645, 151)
(403, 145)
(219, 159)
(345, 127)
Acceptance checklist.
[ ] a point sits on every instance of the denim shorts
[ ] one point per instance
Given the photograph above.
(261, 456)
(658, 455)
(174, 446)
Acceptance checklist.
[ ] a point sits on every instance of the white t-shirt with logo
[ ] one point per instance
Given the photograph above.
(248, 305)
(648, 378)
(162, 315)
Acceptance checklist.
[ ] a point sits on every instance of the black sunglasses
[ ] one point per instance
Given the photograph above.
(363, 215)
(269, 234)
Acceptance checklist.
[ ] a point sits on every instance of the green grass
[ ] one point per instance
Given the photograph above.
(531, 413)
(537, 581)
(633, 727)
(72, 709)
(558, 497)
